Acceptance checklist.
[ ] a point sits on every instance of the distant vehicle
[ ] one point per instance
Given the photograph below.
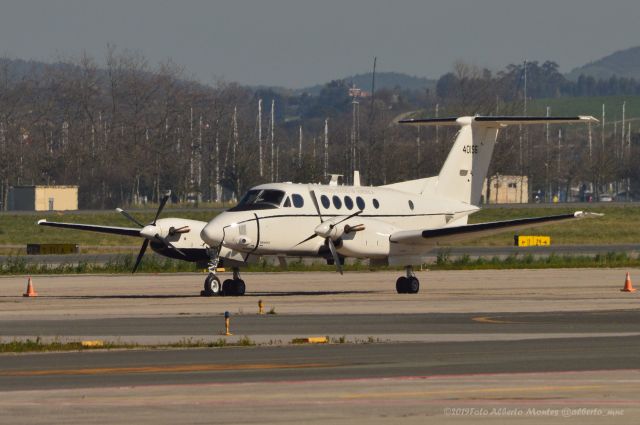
(395, 224)
(622, 197)
(605, 198)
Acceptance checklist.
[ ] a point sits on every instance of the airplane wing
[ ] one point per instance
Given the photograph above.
(445, 235)
(126, 231)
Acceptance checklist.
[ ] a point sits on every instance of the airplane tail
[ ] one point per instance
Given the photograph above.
(465, 169)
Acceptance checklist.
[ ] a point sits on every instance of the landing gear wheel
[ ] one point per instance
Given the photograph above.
(211, 286)
(228, 287)
(413, 285)
(402, 285)
(233, 287)
(240, 287)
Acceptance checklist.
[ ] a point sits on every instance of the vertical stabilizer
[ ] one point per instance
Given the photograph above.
(465, 169)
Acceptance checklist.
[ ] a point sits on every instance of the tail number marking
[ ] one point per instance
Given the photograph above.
(470, 149)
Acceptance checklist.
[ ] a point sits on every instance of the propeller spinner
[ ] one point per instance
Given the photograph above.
(151, 232)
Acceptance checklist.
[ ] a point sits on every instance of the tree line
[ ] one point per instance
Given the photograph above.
(126, 131)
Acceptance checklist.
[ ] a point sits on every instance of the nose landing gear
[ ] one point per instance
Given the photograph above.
(212, 285)
(408, 284)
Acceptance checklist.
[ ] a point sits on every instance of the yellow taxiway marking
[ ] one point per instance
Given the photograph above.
(160, 369)
(514, 389)
(490, 320)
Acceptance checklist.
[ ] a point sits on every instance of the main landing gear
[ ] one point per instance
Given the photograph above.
(408, 284)
(212, 285)
(230, 287)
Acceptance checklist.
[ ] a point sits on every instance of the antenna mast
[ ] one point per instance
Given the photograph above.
(260, 134)
(326, 146)
(273, 115)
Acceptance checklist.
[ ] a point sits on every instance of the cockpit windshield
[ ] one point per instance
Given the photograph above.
(260, 199)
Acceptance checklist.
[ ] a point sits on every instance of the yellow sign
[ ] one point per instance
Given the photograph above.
(534, 240)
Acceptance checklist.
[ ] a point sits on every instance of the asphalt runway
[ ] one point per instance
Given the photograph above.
(315, 362)
(379, 325)
(471, 347)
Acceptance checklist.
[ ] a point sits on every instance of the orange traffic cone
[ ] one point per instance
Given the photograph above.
(30, 291)
(628, 287)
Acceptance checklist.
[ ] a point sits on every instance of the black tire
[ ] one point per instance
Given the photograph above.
(402, 285)
(413, 285)
(211, 286)
(228, 288)
(240, 287)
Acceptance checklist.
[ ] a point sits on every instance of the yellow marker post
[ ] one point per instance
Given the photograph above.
(260, 307)
(226, 323)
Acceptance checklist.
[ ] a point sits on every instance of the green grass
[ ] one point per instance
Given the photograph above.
(21, 229)
(37, 345)
(619, 225)
(528, 261)
(17, 265)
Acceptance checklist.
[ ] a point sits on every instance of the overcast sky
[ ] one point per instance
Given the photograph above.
(296, 43)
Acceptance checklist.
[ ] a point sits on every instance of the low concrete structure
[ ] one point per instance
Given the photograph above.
(506, 190)
(43, 198)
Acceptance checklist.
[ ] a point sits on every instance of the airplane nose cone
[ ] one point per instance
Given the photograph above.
(212, 234)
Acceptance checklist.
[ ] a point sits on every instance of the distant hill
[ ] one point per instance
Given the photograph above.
(623, 63)
(384, 80)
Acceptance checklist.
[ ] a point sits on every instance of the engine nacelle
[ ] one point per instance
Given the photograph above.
(370, 242)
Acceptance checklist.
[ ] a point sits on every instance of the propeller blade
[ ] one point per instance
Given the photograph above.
(315, 204)
(336, 259)
(169, 245)
(346, 218)
(163, 202)
(140, 254)
(129, 216)
(306, 240)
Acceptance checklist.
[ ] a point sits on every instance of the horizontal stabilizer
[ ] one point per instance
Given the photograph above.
(500, 121)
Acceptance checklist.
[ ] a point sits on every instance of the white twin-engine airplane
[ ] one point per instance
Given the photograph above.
(396, 224)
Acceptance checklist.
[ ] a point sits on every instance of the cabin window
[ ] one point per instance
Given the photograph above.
(376, 204)
(287, 203)
(360, 203)
(348, 202)
(325, 201)
(337, 202)
(411, 205)
(260, 199)
(298, 201)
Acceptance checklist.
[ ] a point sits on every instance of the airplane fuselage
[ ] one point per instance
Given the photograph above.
(281, 222)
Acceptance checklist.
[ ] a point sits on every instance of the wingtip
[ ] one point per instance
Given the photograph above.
(586, 214)
(42, 220)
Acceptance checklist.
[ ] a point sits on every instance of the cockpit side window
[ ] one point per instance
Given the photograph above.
(257, 199)
(287, 203)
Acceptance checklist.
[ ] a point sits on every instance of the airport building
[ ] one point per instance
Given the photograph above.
(506, 190)
(43, 198)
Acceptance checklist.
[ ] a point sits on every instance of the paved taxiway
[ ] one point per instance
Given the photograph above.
(504, 342)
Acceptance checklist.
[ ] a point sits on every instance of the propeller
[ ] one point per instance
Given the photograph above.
(324, 230)
(150, 231)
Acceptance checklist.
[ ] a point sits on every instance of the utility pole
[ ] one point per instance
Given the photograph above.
(326, 146)
(547, 164)
(273, 119)
(260, 134)
(300, 148)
